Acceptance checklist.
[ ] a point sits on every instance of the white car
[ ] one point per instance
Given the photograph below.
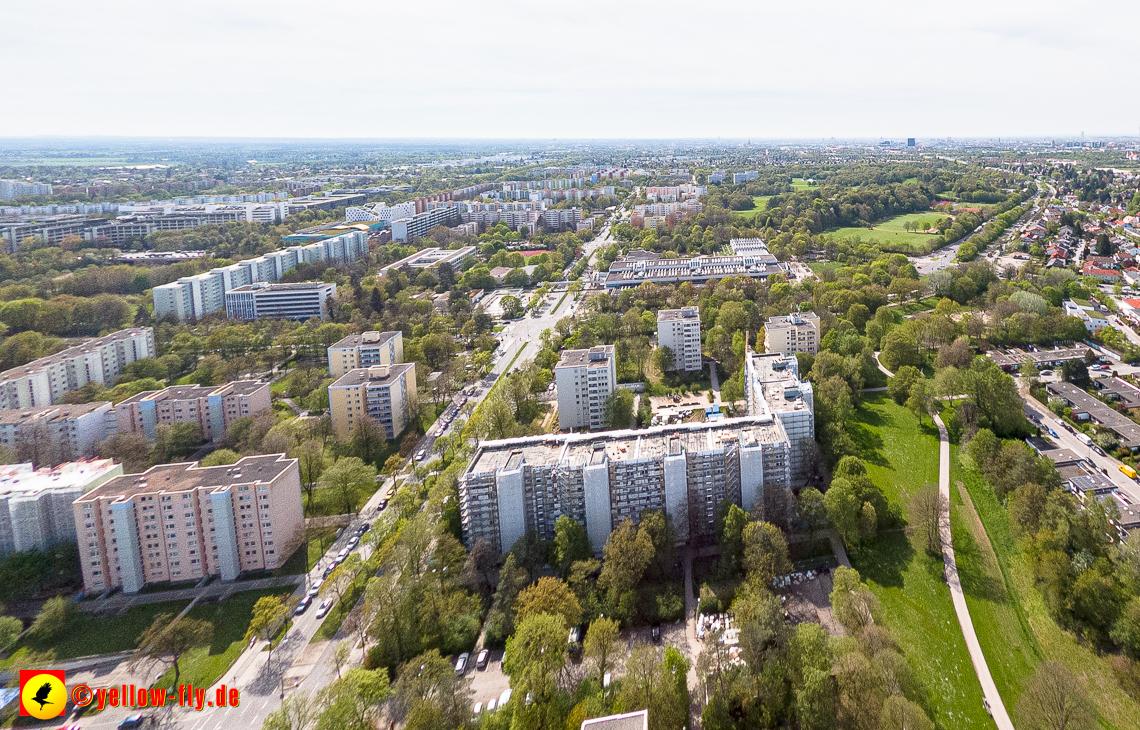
(316, 588)
(324, 608)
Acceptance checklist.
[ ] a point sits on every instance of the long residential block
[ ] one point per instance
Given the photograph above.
(280, 301)
(365, 350)
(50, 435)
(44, 381)
(181, 522)
(380, 392)
(212, 407)
(35, 505)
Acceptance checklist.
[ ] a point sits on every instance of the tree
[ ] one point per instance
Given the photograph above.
(350, 476)
(603, 643)
(812, 511)
(479, 569)
(571, 544)
(367, 438)
(428, 687)
(548, 595)
(815, 700)
(221, 457)
(1052, 700)
(10, 628)
(731, 521)
(657, 683)
(55, 616)
(927, 507)
(310, 456)
(919, 400)
(765, 553)
(664, 359)
(619, 408)
(512, 306)
(899, 348)
(168, 638)
(298, 711)
(128, 449)
(852, 603)
(899, 713)
(843, 505)
(342, 577)
(627, 554)
(341, 651)
(535, 654)
(659, 526)
(353, 702)
(898, 387)
(269, 614)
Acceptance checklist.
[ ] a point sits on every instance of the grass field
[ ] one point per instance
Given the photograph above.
(1009, 615)
(890, 232)
(821, 266)
(901, 458)
(798, 183)
(761, 203)
(106, 634)
(205, 665)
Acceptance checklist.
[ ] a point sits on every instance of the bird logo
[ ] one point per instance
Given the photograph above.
(42, 693)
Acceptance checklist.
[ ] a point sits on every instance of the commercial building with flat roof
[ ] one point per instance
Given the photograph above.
(44, 381)
(181, 522)
(680, 331)
(280, 301)
(637, 267)
(796, 332)
(380, 392)
(585, 379)
(35, 505)
(429, 258)
(365, 350)
(212, 407)
(50, 435)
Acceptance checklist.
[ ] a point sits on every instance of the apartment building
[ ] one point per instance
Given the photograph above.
(513, 486)
(797, 332)
(44, 381)
(774, 391)
(182, 522)
(10, 189)
(212, 407)
(372, 212)
(51, 435)
(717, 176)
(404, 230)
(380, 392)
(585, 379)
(35, 505)
(365, 350)
(280, 301)
(743, 177)
(193, 297)
(680, 331)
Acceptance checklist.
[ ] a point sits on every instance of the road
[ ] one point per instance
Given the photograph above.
(989, 688)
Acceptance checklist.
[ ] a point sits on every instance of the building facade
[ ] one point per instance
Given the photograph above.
(797, 332)
(35, 505)
(773, 390)
(44, 381)
(680, 331)
(212, 407)
(404, 230)
(638, 267)
(380, 392)
(182, 522)
(280, 301)
(51, 435)
(585, 379)
(365, 350)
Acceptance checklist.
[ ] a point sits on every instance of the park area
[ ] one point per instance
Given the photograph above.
(902, 233)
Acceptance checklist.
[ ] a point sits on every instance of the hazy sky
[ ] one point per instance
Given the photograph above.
(624, 68)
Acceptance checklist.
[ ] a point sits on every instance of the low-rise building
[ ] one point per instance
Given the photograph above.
(429, 258)
(1094, 316)
(797, 332)
(1087, 408)
(45, 380)
(183, 522)
(35, 505)
(365, 350)
(280, 301)
(212, 407)
(638, 267)
(585, 379)
(380, 392)
(50, 435)
(1012, 359)
(680, 331)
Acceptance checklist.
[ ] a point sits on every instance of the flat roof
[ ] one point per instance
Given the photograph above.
(270, 288)
(74, 351)
(192, 392)
(598, 355)
(372, 339)
(187, 476)
(359, 376)
(64, 410)
(24, 479)
(688, 314)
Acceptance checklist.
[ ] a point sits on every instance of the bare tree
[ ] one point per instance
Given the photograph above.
(340, 655)
(1052, 700)
(926, 508)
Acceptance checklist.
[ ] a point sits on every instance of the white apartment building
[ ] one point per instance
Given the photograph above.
(797, 332)
(773, 390)
(380, 392)
(10, 189)
(44, 381)
(680, 331)
(717, 176)
(280, 301)
(585, 379)
(372, 212)
(50, 435)
(743, 177)
(416, 226)
(182, 522)
(365, 350)
(35, 506)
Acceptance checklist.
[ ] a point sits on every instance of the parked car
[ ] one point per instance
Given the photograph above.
(132, 721)
(316, 588)
(420, 455)
(481, 660)
(491, 705)
(354, 541)
(342, 555)
(505, 697)
(303, 605)
(655, 633)
(478, 708)
(328, 571)
(461, 664)
(325, 607)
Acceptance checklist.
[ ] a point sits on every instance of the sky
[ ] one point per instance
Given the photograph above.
(587, 69)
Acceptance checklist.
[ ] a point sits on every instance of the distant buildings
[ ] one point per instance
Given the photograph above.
(680, 331)
(717, 176)
(380, 212)
(49, 435)
(429, 258)
(280, 301)
(212, 407)
(10, 189)
(35, 506)
(365, 350)
(44, 381)
(182, 522)
(380, 392)
(585, 379)
(193, 297)
(743, 177)
(797, 332)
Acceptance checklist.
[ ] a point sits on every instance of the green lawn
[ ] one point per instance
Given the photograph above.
(205, 665)
(901, 458)
(761, 203)
(820, 266)
(105, 634)
(890, 233)
(798, 183)
(1009, 614)
(317, 541)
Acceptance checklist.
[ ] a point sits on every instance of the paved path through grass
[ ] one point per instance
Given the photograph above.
(997, 707)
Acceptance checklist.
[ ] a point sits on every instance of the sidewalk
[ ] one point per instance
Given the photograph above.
(121, 601)
(989, 689)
